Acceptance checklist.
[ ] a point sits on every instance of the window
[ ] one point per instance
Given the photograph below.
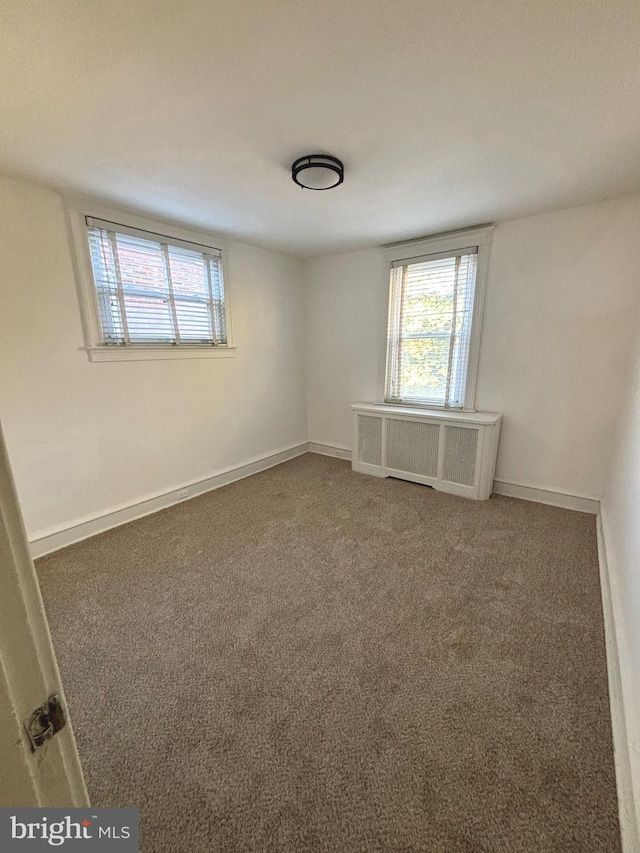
(148, 295)
(434, 315)
(151, 291)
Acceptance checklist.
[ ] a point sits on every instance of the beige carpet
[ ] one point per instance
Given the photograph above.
(315, 660)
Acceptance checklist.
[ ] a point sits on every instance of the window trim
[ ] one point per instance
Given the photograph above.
(415, 251)
(77, 210)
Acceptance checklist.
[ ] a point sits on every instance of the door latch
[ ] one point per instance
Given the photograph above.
(46, 721)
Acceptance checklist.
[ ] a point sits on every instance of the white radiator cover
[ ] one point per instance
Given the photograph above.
(451, 451)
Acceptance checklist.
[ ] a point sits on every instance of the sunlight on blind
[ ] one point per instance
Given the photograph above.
(153, 292)
(430, 317)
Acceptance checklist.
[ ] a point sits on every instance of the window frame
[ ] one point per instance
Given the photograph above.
(420, 250)
(97, 351)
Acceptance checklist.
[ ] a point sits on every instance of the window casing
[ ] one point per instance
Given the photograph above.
(149, 290)
(435, 309)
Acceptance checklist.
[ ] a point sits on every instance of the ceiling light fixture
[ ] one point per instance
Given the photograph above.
(317, 172)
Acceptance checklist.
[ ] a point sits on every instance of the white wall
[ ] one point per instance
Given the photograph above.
(85, 437)
(346, 339)
(561, 309)
(620, 510)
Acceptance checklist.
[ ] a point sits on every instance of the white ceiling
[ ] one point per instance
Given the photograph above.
(446, 114)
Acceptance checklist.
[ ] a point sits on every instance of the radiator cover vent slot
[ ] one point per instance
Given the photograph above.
(451, 451)
(460, 453)
(413, 446)
(370, 439)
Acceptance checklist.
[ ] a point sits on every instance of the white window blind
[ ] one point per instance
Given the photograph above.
(430, 318)
(155, 290)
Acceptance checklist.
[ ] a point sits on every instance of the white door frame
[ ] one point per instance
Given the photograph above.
(51, 776)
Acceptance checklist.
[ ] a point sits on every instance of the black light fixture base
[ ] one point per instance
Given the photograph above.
(317, 172)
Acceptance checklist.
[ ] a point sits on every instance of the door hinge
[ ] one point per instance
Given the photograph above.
(46, 721)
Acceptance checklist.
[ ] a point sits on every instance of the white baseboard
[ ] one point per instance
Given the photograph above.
(581, 503)
(329, 450)
(46, 541)
(629, 829)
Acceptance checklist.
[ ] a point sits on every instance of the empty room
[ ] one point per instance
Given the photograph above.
(320, 409)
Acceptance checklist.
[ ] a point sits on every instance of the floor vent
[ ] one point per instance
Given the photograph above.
(451, 451)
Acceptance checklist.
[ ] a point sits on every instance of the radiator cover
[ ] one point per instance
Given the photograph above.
(451, 451)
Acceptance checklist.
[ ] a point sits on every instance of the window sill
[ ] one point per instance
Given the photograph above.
(156, 353)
